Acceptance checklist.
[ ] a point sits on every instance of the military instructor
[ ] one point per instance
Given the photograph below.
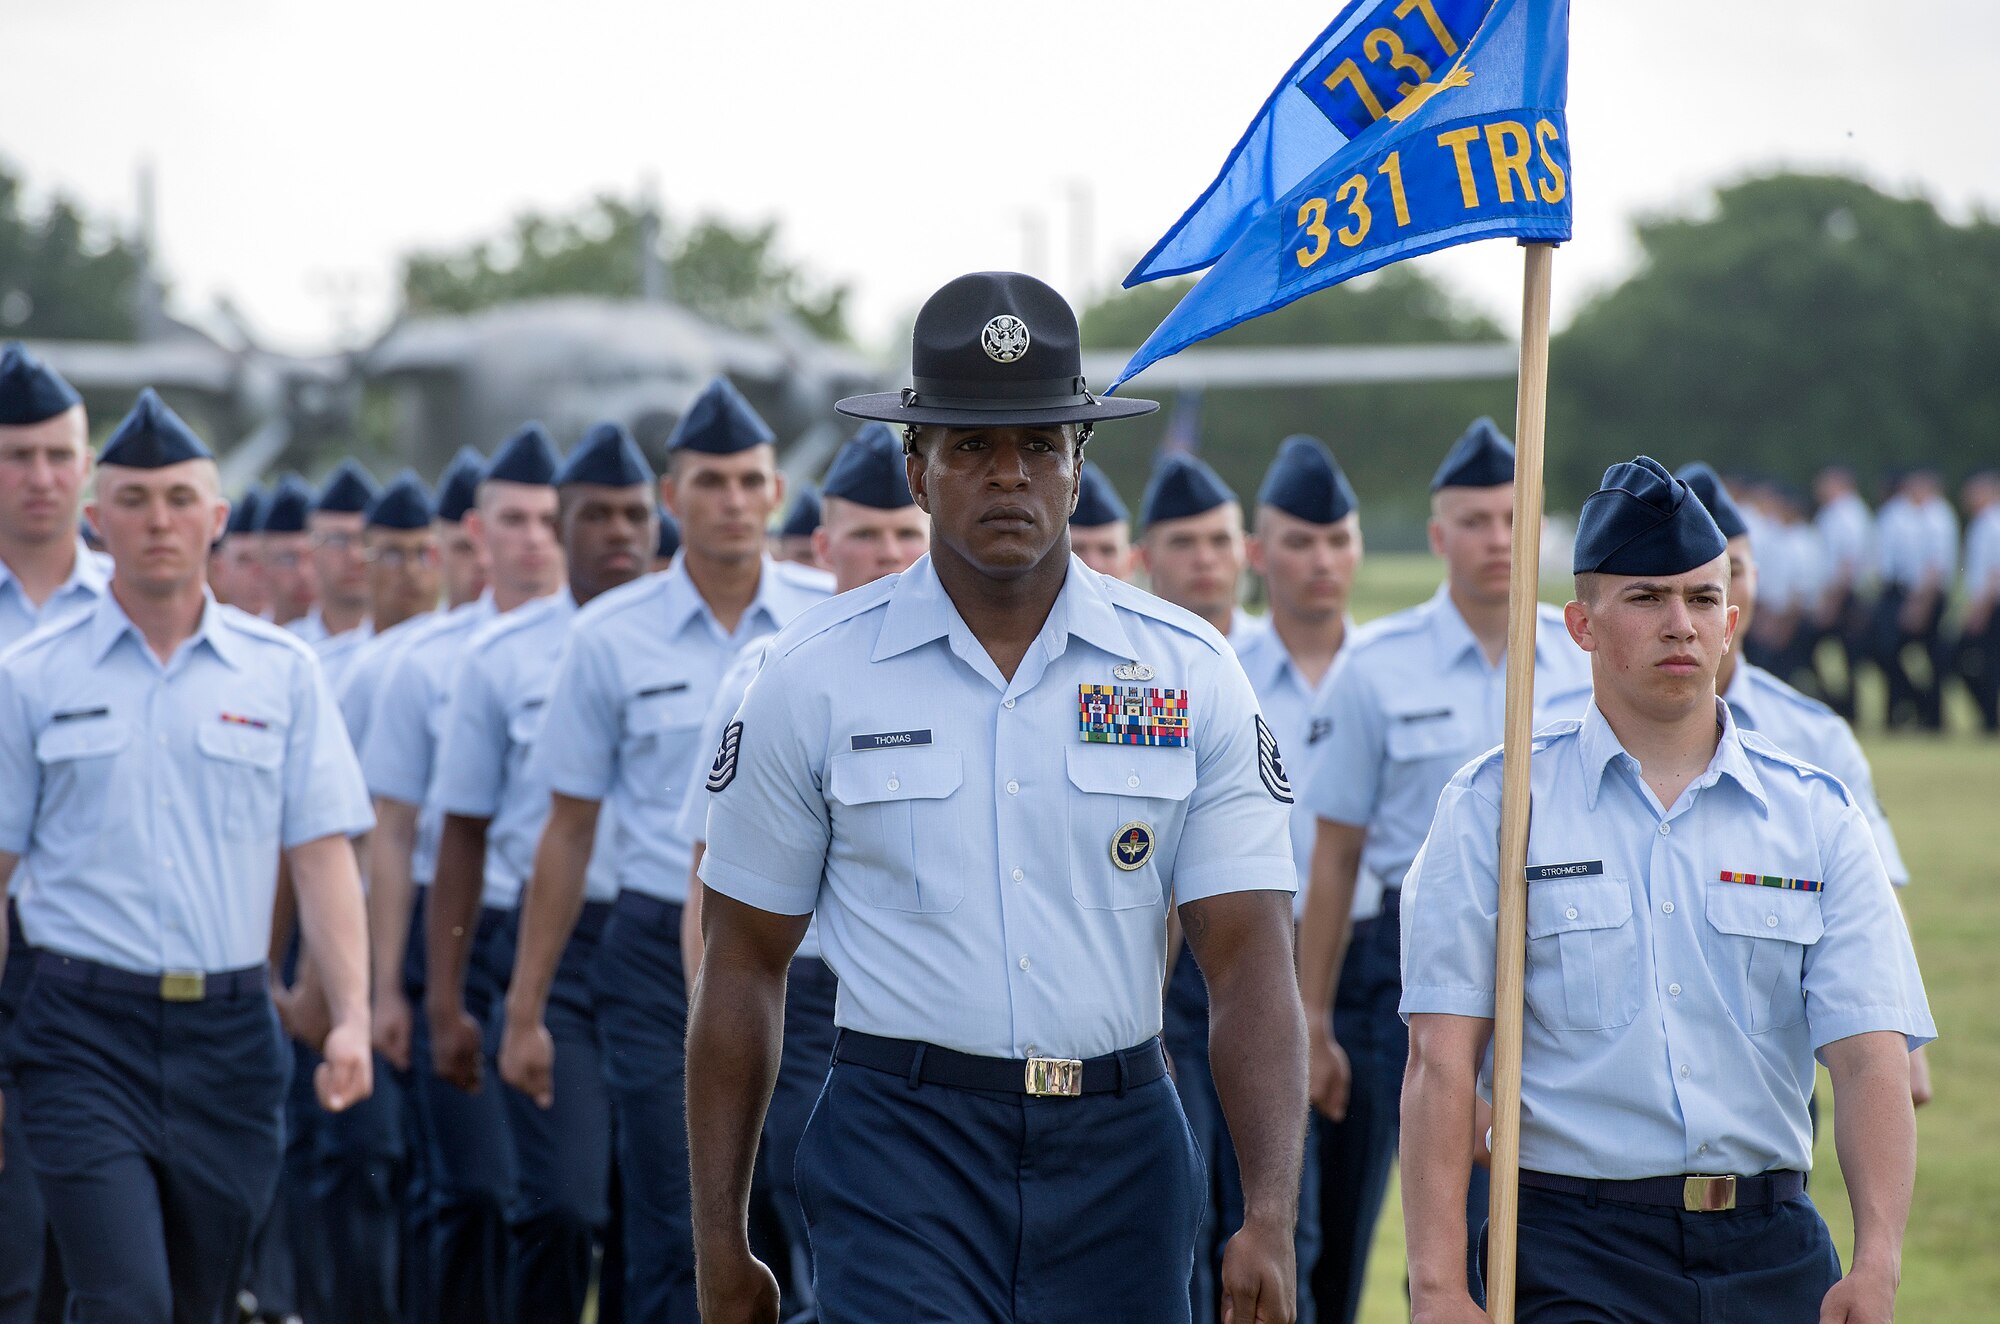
(989, 777)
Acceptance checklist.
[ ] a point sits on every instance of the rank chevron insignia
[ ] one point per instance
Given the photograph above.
(1271, 765)
(723, 770)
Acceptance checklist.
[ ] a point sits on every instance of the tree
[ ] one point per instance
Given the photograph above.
(1806, 319)
(1378, 431)
(63, 276)
(736, 276)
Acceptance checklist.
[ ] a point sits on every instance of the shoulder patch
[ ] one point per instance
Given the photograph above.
(723, 770)
(1270, 764)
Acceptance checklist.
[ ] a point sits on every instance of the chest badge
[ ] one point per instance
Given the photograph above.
(1133, 846)
(1772, 880)
(1132, 671)
(1132, 715)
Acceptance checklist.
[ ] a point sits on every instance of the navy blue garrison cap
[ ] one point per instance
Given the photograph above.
(1480, 458)
(1182, 486)
(1644, 521)
(803, 517)
(30, 390)
(529, 456)
(1707, 487)
(1305, 481)
(1097, 502)
(347, 491)
(246, 512)
(608, 457)
(152, 436)
(458, 485)
(869, 470)
(670, 536)
(403, 504)
(285, 510)
(720, 422)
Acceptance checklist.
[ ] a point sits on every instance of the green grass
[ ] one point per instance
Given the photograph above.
(1943, 796)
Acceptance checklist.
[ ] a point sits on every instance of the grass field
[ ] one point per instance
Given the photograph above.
(1942, 796)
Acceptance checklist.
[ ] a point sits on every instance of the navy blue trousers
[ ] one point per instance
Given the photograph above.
(155, 1133)
(1585, 1261)
(934, 1205)
(562, 1202)
(810, 990)
(29, 1274)
(640, 988)
(1186, 1036)
(471, 1169)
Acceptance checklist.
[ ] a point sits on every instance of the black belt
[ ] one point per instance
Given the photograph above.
(1693, 1192)
(647, 909)
(922, 1063)
(167, 986)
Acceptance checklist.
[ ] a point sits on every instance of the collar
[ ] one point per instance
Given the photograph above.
(1449, 632)
(1265, 658)
(109, 624)
(920, 611)
(683, 601)
(88, 573)
(1598, 747)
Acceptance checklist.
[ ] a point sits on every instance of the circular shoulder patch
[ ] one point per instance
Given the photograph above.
(1005, 338)
(1133, 846)
(723, 770)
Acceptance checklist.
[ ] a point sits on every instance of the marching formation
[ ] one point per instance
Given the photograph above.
(570, 890)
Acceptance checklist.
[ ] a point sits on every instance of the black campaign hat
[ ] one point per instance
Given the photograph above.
(1644, 521)
(994, 348)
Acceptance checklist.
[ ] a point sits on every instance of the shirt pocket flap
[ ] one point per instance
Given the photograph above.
(90, 738)
(1148, 772)
(242, 744)
(1425, 737)
(1765, 912)
(663, 707)
(1567, 907)
(873, 776)
(525, 723)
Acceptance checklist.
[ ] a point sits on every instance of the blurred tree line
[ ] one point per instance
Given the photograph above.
(62, 275)
(735, 275)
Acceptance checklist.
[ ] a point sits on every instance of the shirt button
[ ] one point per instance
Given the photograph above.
(1770, 921)
(1570, 913)
(1024, 963)
(1006, 703)
(1133, 780)
(1666, 829)
(1701, 1149)
(1673, 990)
(1019, 876)
(1666, 907)
(895, 785)
(1013, 788)
(1685, 1073)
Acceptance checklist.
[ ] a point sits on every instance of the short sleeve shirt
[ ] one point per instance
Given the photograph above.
(1288, 700)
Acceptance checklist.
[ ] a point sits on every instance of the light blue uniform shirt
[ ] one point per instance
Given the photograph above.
(87, 582)
(310, 627)
(337, 652)
(1288, 700)
(1673, 1016)
(373, 664)
(150, 802)
(721, 709)
(1409, 700)
(491, 721)
(958, 839)
(625, 711)
(400, 755)
(1982, 554)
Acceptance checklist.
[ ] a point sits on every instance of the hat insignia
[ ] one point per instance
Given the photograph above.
(1005, 338)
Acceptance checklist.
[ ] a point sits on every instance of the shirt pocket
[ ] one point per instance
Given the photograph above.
(1583, 954)
(1116, 787)
(77, 768)
(662, 728)
(1420, 736)
(898, 822)
(1757, 948)
(243, 769)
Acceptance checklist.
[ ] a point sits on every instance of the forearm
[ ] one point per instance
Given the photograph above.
(735, 1038)
(1326, 927)
(1875, 1134)
(1257, 1054)
(550, 908)
(691, 915)
(453, 916)
(391, 890)
(1439, 1099)
(284, 921)
(333, 925)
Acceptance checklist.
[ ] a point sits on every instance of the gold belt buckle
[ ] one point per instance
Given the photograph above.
(1708, 1195)
(183, 986)
(1061, 1077)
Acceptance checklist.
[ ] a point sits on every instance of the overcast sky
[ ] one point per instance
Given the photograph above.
(300, 148)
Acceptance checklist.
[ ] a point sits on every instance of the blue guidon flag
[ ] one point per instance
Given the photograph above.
(1473, 148)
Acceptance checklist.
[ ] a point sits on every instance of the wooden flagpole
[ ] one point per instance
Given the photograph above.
(1510, 953)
